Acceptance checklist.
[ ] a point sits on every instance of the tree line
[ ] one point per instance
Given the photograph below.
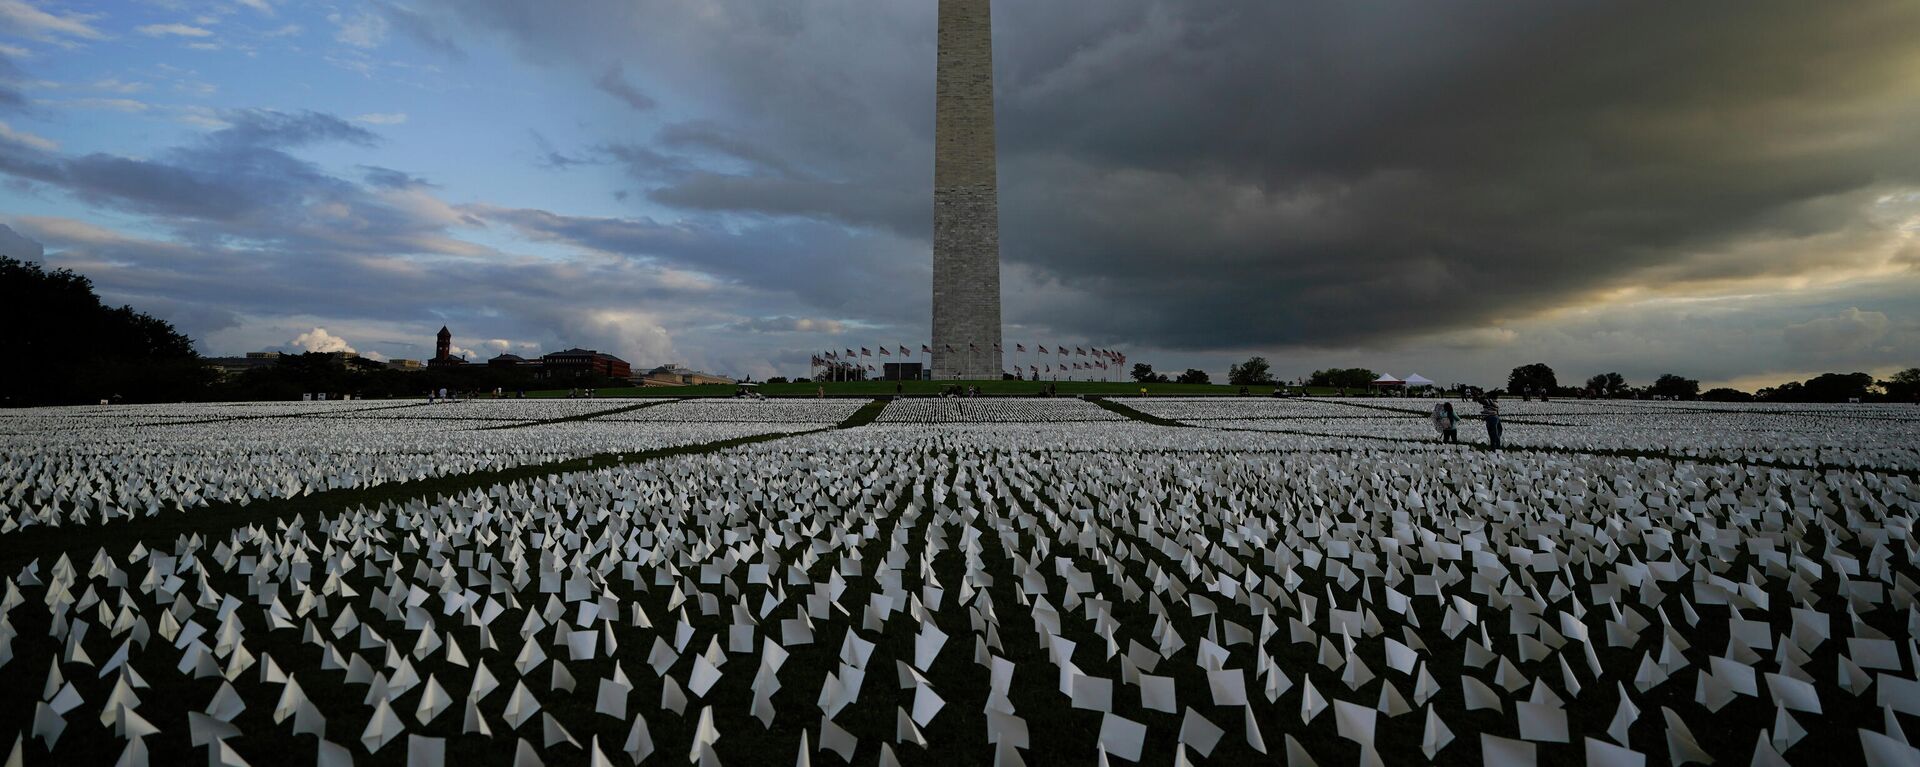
(65, 346)
(1539, 378)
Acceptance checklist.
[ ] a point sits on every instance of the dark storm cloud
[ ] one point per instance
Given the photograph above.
(1479, 167)
(1244, 174)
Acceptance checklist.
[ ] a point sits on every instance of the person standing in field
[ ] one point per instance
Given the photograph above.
(1446, 423)
(1490, 414)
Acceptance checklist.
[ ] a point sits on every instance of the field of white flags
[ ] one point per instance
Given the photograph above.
(981, 581)
(73, 466)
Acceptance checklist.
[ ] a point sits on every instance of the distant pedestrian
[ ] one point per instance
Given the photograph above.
(1490, 414)
(1446, 423)
(819, 392)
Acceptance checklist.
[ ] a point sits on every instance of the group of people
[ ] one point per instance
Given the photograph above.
(1447, 422)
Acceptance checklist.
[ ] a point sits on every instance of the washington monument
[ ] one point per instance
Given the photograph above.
(966, 198)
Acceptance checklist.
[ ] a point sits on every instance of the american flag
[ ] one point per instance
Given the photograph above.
(864, 352)
(1020, 347)
(905, 352)
(883, 352)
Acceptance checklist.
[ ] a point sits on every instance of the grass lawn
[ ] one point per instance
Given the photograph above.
(931, 388)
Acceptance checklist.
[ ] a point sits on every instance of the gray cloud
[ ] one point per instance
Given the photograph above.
(1849, 331)
(839, 272)
(230, 175)
(426, 32)
(10, 98)
(613, 82)
(900, 210)
(12, 245)
(789, 325)
(712, 139)
(389, 178)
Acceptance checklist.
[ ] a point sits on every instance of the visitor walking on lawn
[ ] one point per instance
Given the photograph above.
(1490, 414)
(1446, 422)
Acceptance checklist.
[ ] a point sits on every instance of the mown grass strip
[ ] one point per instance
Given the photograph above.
(1650, 453)
(226, 418)
(864, 415)
(581, 417)
(1135, 414)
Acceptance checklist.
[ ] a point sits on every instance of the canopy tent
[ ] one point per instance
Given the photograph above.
(1417, 380)
(1387, 379)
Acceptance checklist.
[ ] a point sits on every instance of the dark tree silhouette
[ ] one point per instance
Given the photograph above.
(71, 348)
(1608, 384)
(1529, 377)
(1342, 378)
(1194, 376)
(1677, 387)
(1254, 372)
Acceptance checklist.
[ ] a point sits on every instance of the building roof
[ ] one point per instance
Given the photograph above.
(584, 353)
(508, 358)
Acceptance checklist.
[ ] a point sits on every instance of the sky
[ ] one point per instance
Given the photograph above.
(1729, 191)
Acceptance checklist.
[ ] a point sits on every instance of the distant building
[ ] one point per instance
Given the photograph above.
(406, 366)
(230, 367)
(903, 371)
(512, 362)
(443, 350)
(583, 363)
(676, 375)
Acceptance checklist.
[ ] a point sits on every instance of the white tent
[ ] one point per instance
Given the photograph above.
(1387, 379)
(1418, 380)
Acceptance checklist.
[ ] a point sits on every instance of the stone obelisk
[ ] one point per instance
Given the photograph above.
(966, 199)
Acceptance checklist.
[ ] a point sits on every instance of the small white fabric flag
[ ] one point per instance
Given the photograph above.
(1122, 737)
